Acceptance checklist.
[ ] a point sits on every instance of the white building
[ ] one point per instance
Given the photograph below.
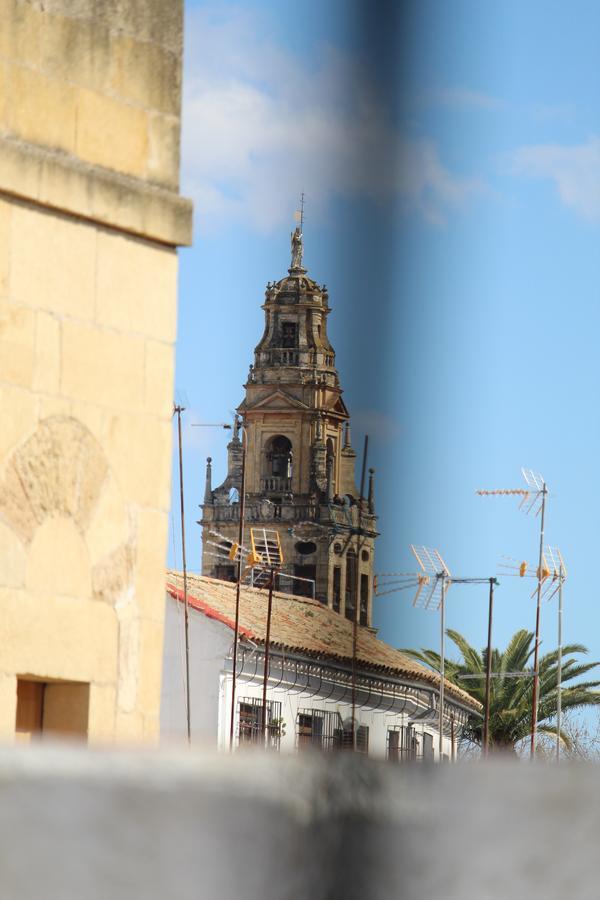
(310, 684)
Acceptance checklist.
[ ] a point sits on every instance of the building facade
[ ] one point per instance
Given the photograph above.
(314, 692)
(300, 466)
(90, 219)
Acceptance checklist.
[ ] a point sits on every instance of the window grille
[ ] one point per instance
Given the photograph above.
(250, 722)
(364, 599)
(427, 746)
(343, 738)
(401, 743)
(337, 587)
(350, 584)
(317, 728)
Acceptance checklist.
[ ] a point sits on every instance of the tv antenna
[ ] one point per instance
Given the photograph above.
(179, 406)
(533, 500)
(266, 556)
(553, 576)
(432, 583)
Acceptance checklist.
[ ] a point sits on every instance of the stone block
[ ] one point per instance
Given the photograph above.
(151, 653)
(163, 150)
(139, 452)
(145, 74)
(18, 415)
(15, 508)
(5, 244)
(22, 27)
(102, 367)
(12, 558)
(46, 373)
(136, 286)
(101, 721)
(76, 50)
(159, 378)
(51, 636)
(61, 469)
(8, 706)
(111, 525)
(111, 134)
(112, 576)
(150, 567)
(58, 561)
(41, 109)
(17, 344)
(52, 262)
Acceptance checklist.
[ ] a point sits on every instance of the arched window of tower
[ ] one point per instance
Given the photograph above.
(278, 462)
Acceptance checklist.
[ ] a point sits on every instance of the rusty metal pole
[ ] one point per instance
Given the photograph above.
(536, 674)
(488, 673)
(178, 410)
(354, 644)
(236, 629)
(267, 647)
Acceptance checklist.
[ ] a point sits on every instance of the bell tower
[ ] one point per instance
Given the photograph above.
(300, 464)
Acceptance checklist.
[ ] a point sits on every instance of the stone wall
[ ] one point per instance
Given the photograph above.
(90, 219)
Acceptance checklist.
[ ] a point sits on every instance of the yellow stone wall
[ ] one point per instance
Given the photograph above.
(90, 219)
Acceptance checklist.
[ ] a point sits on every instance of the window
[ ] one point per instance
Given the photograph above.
(250, 721)
(401, 743)
(343, 738)
(427, 746)
(351, 585)
(317, 728)
(337, 587)
(54, 707)
(225, 573)
(279, 457)
(305, 588)
(305, 548)
(364, 599)
(289, 334)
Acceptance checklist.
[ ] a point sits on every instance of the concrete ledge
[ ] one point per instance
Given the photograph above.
(128, 825)
(64, 183)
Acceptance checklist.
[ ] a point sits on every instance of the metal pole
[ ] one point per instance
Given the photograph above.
(354, 643)
(357, 591)
(536, 674)
(452, 752)
(442, 665)
(267, 647)
(488, 673)
(559, 692)
(179, 410)
(236, 629)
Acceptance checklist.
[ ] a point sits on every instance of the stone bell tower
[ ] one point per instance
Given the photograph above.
(300, 464)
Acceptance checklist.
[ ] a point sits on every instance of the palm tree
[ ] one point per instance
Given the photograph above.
(511, 697)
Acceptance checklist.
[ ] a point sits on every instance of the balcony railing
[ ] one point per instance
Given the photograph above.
(276, 484)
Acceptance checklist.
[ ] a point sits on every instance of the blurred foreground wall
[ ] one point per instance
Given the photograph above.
(259, 827)
(90, 218)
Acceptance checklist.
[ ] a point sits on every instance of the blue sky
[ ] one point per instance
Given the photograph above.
(450, 154)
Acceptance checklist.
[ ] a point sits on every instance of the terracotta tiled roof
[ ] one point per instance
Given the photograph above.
(303, 625)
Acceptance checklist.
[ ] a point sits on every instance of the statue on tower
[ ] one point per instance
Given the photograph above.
(296, 248)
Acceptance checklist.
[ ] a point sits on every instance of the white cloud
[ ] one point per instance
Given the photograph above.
(260, 125)
(575, 171)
